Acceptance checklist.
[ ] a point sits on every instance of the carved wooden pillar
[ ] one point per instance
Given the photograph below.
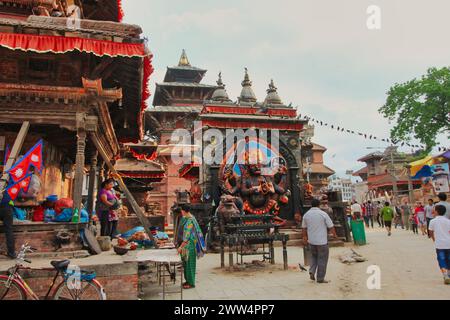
(101, 172)
(79, 162)
(92, 182)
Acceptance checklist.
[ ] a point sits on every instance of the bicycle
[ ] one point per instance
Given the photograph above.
(75, 285)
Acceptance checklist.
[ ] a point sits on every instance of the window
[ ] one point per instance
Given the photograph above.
(40, 68)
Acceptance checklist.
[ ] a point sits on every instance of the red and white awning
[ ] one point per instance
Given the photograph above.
(61, 44)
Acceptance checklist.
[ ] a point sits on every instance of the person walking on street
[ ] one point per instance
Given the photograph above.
(387, 214)
(356, 210)
(443, 202)
(316, 224)
(7, 216)
(364, 214)
(420, 211)
(398, 217)
(369, 213)
(440, 233)
(429, 209)
(380, 216)
(414, 223)
(406, 213)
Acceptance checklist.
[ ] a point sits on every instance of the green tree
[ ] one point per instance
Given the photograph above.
(420, 108)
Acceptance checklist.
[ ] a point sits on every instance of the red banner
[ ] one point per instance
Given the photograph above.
(252, 124)
(292, 113)
(60, 44)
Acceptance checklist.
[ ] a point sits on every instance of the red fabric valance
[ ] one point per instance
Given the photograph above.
(252, 124)
(143, 175)
(60, 44)
(249, 110)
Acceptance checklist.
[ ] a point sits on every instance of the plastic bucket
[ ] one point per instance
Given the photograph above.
(358, 232)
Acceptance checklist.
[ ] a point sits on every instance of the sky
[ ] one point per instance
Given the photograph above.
(321, 55)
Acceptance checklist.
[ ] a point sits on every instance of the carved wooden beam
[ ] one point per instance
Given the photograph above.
(104, 65)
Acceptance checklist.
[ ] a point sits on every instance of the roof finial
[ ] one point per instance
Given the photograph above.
(184, 61)
(246, 81)
(220, 94)
(272, 94)
(219, 81)
(272, 87)
(247, 94)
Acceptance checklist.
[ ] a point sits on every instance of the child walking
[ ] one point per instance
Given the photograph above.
(440, 233)
(414, 223)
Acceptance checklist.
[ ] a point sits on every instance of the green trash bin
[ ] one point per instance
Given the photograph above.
(358, 232)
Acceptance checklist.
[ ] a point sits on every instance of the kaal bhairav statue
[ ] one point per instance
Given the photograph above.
(253, 193)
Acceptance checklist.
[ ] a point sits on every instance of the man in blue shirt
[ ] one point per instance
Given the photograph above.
(6, 215)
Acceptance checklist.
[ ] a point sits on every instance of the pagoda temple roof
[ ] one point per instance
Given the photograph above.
(320, 168)
(373, 155)
(120, 43)
(96, 10)
(361, 171)
(184, 72)
(134, 165)
(318, 147)
(86, 28)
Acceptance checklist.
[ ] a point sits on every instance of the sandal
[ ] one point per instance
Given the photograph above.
(187, 286)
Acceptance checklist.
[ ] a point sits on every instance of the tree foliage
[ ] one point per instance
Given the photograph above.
(420, 108)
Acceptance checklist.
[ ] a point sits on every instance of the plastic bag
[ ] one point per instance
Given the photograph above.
(62, 204)
(64, 216)
(49, 215)
(84, 216)
(38, 214)
(19, 214)
(127, 235)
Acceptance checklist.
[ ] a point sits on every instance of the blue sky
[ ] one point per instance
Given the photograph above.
(321, 54)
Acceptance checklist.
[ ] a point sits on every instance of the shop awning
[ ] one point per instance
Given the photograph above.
(60, 44)
(419, 165)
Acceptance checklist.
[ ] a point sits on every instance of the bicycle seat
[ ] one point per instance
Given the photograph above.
(60, 265)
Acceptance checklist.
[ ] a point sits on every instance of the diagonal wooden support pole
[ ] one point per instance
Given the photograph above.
(13, 156)
(142, 218)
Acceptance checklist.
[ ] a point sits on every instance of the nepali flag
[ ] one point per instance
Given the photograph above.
(25, 183)
(13, 191)
(35, 156)
(31, 158)
(20, 169)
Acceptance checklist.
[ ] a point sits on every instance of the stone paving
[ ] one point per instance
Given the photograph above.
(408, 271)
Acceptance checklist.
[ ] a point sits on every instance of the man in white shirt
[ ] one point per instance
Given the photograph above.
(429, 210)
(440, 233)
(443, 202)
(356, 210)
(316, 224)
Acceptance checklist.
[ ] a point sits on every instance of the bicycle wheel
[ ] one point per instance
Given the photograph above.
(89, 290)
(14, 292)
